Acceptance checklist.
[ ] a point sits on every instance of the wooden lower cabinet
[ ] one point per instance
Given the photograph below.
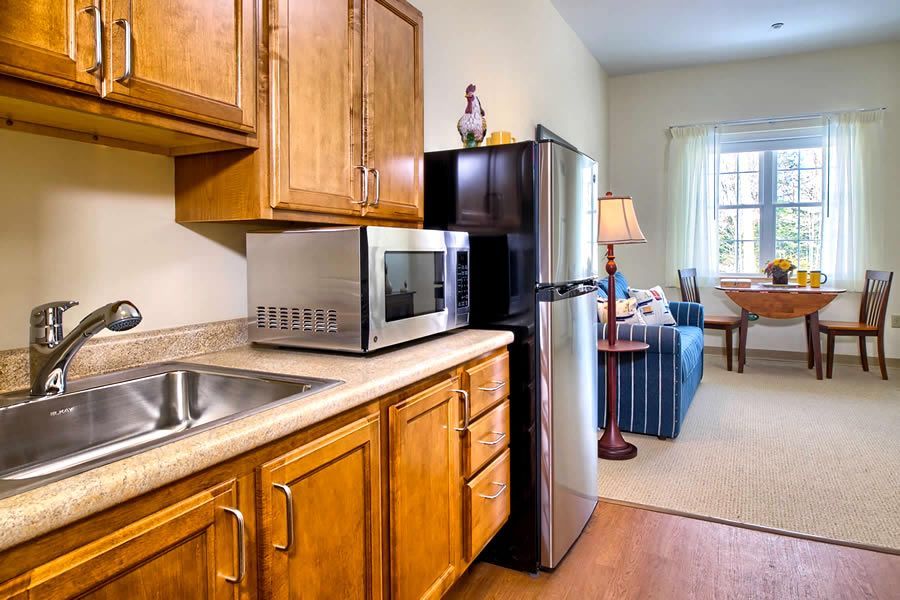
(191, 549)
(425, 492)
(372, 503)
(320, 508)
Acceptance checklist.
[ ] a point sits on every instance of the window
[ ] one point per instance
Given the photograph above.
(770, 204)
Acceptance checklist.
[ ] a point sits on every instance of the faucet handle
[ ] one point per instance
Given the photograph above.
(47, 322)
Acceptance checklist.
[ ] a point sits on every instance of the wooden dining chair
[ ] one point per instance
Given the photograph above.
(687, 278)
(872, 318)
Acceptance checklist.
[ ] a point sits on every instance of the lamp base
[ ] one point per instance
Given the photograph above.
(616, 452)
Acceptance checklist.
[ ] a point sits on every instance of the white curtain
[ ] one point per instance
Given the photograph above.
(693, 239)
(851, 228)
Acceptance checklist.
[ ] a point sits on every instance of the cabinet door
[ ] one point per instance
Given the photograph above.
(191, 59)
(425, 493)
(321, 517)
(189, 550)
(52, 41)
(316, 78)
(394, 108)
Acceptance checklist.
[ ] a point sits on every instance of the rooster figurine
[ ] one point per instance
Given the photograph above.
(472, 125)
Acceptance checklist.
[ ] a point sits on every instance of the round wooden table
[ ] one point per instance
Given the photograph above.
(784, 303)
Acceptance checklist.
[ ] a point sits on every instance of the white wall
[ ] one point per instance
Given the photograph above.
(643, 106)
(94, 224)
(528, 65)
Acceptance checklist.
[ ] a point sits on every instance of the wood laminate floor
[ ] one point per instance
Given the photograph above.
(629, 553)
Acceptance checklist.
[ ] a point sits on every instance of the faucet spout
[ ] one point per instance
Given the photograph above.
(51, 353)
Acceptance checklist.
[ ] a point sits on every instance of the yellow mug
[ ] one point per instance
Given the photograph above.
(817, 278)
(802, 278)
(499, 137)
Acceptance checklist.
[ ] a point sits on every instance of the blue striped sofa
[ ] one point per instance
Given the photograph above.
(656, 387)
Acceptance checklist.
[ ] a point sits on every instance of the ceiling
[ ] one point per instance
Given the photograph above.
(633, 36)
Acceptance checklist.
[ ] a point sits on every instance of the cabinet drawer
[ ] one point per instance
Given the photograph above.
(486, 505)
(488, 383)
(487, 437)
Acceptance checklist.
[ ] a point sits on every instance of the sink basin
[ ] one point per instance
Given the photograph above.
(106, 418)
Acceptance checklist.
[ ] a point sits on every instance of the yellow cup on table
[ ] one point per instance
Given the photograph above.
(817, 278)
(802, 278)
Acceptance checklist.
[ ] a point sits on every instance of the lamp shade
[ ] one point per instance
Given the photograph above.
(617, 222)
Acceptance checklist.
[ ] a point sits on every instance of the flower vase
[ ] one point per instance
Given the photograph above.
(780, 279)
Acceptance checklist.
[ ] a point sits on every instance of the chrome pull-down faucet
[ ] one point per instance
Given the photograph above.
(51, 353)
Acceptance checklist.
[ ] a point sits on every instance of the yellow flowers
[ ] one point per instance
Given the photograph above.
(779, 266)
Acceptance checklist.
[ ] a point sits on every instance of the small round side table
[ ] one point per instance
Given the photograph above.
(612, 446)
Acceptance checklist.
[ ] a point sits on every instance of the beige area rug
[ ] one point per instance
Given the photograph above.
(776, 448)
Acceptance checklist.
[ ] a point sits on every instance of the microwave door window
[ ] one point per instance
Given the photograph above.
(413, 284)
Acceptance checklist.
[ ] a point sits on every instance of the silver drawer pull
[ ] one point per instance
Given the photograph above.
(365, 185)
(377, 188)
(126, 74)
(500, 438)
(241, 553)
(289, 515)
(98, 37)
(497, 385)
(466, 410)
(503, 487)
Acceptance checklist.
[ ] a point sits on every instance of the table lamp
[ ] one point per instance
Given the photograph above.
(616, 224)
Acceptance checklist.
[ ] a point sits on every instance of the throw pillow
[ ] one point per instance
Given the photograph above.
(626, 312)
(653, 306)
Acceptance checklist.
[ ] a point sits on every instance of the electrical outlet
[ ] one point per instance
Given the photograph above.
(895, 320)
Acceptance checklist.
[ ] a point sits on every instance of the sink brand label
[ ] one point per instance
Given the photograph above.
(62, 411)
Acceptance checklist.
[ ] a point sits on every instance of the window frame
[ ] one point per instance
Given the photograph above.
(768, 189)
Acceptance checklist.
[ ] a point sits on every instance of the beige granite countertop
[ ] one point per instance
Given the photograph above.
(35, 512)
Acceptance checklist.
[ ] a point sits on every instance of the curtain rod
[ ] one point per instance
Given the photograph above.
(774, 119)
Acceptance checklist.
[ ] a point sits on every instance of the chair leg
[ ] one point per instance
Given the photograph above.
(729, 349)
(830, 355)
(809, 349)
(863, 356)
(881, 360)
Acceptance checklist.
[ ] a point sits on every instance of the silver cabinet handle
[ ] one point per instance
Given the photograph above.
(242, 542)
(128, 57)
(500, 438)
(502, 489)
(497, 385)
(289, 516)
(98, 37)
(466, 409)
(365, 186)
(377, 188)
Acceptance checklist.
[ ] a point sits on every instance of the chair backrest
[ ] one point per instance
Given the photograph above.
(873, 308)
(687, 278)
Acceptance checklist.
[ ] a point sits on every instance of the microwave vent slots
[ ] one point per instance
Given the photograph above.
(310, 320)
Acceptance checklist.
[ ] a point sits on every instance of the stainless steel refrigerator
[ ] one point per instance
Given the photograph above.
(530, 210)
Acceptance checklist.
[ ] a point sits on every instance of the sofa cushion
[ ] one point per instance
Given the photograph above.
(621, 286)
(691, 347)
(653, 306)
(626, 311)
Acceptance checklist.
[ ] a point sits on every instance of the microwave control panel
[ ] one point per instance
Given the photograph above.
(462, 280)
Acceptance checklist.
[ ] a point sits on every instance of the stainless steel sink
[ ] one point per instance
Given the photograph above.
(103, 419)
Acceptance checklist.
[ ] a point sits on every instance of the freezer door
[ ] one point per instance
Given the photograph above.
(567, 383)
(567, 215)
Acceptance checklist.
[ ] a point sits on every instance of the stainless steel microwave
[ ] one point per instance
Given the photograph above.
(355, 289)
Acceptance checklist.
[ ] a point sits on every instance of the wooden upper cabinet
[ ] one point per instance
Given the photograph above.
(187, 58)
(425, 493)
(316, 116)
(321, 518)
(394, 134)
(187, 550)
(51, 41)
